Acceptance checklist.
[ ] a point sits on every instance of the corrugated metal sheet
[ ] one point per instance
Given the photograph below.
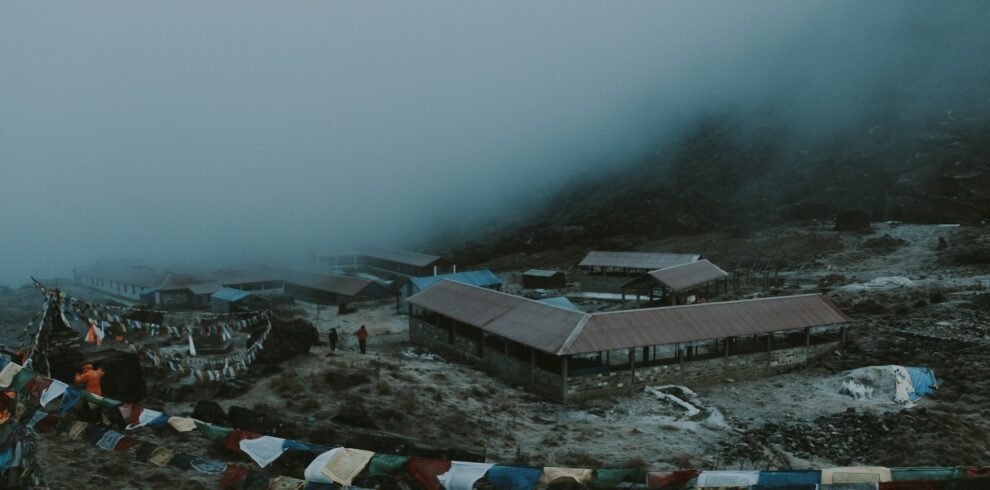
(636, 260)
(541, 273)
(346, 286)
(126, 275)
(249, 275)
(482, 278)
(196, 283)
(676, 324)
(529, 322)
(400, 256)
(205, 287)
(561, 331)
(685, 276)
(230, 295)
(560, 302)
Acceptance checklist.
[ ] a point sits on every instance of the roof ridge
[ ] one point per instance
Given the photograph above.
(574, 334)
(714, 303)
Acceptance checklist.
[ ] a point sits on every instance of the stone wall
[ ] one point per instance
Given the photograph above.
(495, 362)
(550, 385)
(694, 373)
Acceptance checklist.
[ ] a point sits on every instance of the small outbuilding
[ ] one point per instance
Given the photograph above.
(482, 278)
(699, 279)
(607, 272)
(543, 279)
(229, 300)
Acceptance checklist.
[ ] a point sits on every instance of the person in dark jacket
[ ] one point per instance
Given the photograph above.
(332, 340)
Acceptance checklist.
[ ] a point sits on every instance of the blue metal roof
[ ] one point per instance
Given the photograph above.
(482, 278)
(560, 302)
(230, 295)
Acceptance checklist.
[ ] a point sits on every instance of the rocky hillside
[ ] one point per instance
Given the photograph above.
(731, 173)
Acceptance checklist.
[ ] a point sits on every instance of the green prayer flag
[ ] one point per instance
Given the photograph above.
(21, 379)
(213, 432)
(386, 464)
(926, 473)
(612, 478)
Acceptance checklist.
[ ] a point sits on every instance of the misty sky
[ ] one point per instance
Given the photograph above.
(191, 129)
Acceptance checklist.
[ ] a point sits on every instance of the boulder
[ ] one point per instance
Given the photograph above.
(289, 337)
(852, 220)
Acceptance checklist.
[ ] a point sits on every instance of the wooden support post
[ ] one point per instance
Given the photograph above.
(807, 336)
(563, 378)
(646, 353)
(769, 350)
(632, 366)
(728, 346)
(532, 365)
(842, 331)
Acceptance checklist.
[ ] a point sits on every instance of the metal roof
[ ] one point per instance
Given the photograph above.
(195, 283)
(482, 278)
(528, 322)
(126, 275)
(343, 285)
(400, 256)
(561, 331)
(230, 295)
(249, 275)
(541, 273)
(636, 260)
(676, 324)
(560, 302)
(685, 276)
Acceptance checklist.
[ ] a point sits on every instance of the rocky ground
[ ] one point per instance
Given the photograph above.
(911, 304)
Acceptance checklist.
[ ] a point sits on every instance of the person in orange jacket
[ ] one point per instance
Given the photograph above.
(362, 335)
(88, 378)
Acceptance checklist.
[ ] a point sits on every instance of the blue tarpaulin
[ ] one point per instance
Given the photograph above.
(514, 477)
(789, 478)
(923, 380)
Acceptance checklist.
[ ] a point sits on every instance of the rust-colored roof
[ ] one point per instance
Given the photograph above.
(346, 286)
(686, 276)
(126, 275)
(676, 324)
(560, 331)
(529, 322)
(636, 260)
(400, 256)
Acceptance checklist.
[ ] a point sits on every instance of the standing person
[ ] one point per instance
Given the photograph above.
(332, 339)
(88, 379)
(362, 335)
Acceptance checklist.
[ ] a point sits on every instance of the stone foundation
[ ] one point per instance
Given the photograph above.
(551, 385)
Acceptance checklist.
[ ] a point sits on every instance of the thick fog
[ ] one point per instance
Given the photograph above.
(244, 130)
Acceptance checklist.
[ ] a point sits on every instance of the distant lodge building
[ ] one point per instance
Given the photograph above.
(541, 279)
(701, 280)
(126, 282)
(482, 278)
(566, 355)
(329, 289)
(607, 272)
(228, 300)
(197, 290)
(410, 264)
